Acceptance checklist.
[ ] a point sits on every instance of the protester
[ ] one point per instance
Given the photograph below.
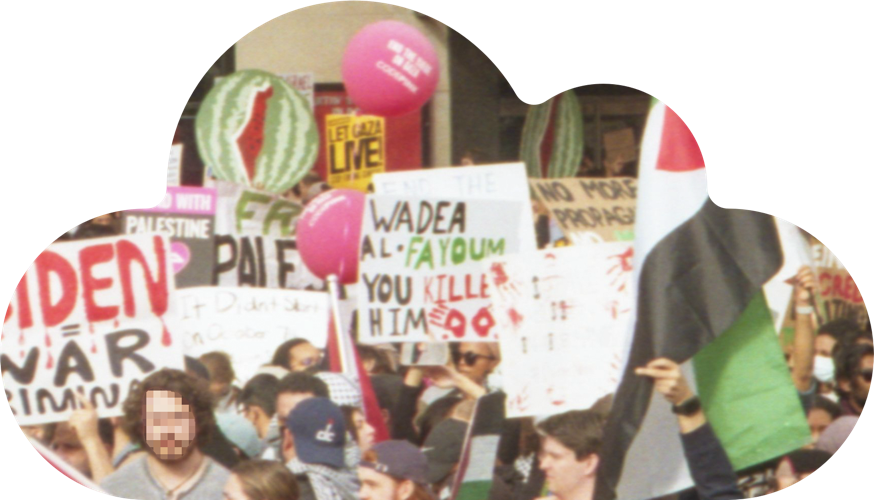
(570, 452)
(221, 381)
(834, 436)
(823, 412)
(313, 444)
(170, 415)
(218, 447)
(393, 470)
(297, 355)
(241, 433)
(261, 480)
(291, 390)
(361, 431)
(85, 442)
(257, 401)
(798, 465)
(854, 366)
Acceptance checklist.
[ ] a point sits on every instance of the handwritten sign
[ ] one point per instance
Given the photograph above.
(355, 150)
(421, 277)
(187, 216)
(562, 315)
(587, 209)
(840, 294)
(248, 323)
(254, 242)
(88, 317)
(503, 181)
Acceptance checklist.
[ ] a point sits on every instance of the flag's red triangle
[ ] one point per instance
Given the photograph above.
(679, 151)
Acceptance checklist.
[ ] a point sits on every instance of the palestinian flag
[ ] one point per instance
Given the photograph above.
(475, 469)
(699, 276)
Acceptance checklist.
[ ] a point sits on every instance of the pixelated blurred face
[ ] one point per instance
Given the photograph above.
(564, 473)
(304, 356)
(376, 486)
(234, 489)
(67, 445)
(818, 419)
(170, 426)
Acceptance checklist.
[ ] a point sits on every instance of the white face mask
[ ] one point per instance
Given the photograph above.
(824, 369)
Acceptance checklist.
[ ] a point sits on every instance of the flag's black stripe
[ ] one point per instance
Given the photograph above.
(693, 285)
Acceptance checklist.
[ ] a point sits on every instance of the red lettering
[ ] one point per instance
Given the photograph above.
(50, 262)
(25, 317)
(128, 252)
(456, 323)
(483, 322)
(88, 258)
(824, 280)
(452, 296)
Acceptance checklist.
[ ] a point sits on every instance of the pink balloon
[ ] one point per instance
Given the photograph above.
(390, 69)
(328, 234)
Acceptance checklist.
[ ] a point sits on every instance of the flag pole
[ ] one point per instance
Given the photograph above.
(334, 292)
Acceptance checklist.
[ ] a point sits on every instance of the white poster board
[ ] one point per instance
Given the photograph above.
(420, 275)
(88, 317)
(248, 324)
(562, 316)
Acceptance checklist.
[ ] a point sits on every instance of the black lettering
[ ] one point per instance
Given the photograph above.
(117, 353)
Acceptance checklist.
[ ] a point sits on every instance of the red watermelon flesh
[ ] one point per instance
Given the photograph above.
(251, 140)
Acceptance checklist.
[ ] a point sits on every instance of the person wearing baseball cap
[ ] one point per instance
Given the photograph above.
(393, 470)
(313, 439)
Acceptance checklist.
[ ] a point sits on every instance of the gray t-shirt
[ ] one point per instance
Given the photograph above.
(135, 481)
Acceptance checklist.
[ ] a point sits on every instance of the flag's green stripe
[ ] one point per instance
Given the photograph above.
(567, 143)
(474, 490)
(747, 392)
(536, 123)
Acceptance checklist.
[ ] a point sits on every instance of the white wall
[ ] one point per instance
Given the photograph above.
(313, 39)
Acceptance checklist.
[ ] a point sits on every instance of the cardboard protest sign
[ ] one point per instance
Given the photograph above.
(562, 315)
(248, 323)
(840, 295)
(421, 277)
(590, 209)
(504, 181)
(88, 317)
(355, 150)
(187, 215)
(174, 165)
(254, 242)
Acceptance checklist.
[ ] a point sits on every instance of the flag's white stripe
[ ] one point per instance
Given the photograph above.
(656, 464)
(796, 253)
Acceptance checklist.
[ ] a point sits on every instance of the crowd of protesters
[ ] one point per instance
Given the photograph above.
(295, 430)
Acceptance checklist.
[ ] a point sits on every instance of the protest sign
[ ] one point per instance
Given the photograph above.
(840, 295)
(248, 323)
(587, 209)
(187, 215)
(562, 314)
(174, 166)
(254, 242)
(421, 277)
(504, 181)
(355, 150)
(480, 451)
(88, 317)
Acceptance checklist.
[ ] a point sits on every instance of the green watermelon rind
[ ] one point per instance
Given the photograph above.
(226, 111)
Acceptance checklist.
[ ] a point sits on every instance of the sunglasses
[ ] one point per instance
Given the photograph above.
(468, 357)
(866, 374)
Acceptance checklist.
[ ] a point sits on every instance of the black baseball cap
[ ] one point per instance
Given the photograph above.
(398, 459)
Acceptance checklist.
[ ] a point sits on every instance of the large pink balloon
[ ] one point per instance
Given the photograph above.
(328, 233)
(390, 69)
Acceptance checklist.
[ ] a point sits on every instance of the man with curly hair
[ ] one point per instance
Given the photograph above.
(170, 416)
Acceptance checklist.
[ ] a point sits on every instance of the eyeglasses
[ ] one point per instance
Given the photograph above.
(866, 374)
(468, 357)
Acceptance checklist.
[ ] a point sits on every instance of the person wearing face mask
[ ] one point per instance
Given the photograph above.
(170, 415)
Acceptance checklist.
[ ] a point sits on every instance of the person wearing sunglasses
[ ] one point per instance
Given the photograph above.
(854, 367)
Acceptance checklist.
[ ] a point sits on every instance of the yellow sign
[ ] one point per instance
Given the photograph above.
(355, 150)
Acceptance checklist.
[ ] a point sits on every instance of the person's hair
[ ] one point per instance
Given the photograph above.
(219, 366)
(193, 392)
(261, 391)
(106, 432)
(827, 405)
(348, 418)
(195, 368)
(848, 360)
(381, 362)
(282, 355)
(838, 328)
(579, 430)
(301, 383)
(266, 480)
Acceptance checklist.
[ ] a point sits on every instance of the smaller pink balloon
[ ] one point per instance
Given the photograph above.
(328, 234)
(390, 69)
